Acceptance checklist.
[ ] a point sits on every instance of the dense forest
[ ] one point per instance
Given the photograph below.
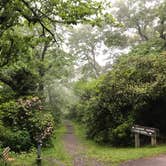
(99, 63)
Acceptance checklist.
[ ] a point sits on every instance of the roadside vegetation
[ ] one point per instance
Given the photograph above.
(133, 92)
(54, 154)
(115, 155)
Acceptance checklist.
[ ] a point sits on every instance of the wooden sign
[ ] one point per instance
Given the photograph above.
(152, 132)
(145, 130)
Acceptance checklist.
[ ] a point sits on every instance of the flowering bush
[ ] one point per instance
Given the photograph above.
(25, 116)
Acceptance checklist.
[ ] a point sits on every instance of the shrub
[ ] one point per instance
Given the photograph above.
(121, 135)
(41, 127)
(17, 140)
(133, 92)
(24, 122)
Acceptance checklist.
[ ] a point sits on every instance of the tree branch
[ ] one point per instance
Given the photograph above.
(143, 36)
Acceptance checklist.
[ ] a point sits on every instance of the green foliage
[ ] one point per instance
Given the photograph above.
(22, 81)
(115, 39)
(133, 92)
(41, 127)
(14, 45)
(154, 46)
(24, 123)
(9, 113)
(120, 136)
(6, 93)
(112, 155)
(25, 82)
(18, 140)
(30, 58)
(27, 31)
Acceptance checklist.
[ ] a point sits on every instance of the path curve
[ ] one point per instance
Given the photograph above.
(150, 161)
(76, 150)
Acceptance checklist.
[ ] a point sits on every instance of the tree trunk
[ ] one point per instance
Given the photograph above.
(162, 29)
(42, 70)
(142, 35)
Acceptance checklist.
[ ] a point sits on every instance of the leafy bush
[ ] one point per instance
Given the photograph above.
(17, 140)
(121, 135)
(133, 92)
(24, 81)
(6, 93)
(41, 127)
(24, 122)
(154, 46)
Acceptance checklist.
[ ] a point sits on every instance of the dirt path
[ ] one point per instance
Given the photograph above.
(76, 150)
(151, 161)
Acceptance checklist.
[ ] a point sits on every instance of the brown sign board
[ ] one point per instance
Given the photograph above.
(145, 130)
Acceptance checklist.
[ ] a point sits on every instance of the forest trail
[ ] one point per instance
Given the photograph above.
(78, 153)
(76, 150)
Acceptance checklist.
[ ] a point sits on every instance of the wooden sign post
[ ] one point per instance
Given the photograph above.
(137, 140)
(152, 132)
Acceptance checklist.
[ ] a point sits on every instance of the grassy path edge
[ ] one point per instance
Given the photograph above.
(112, 154)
